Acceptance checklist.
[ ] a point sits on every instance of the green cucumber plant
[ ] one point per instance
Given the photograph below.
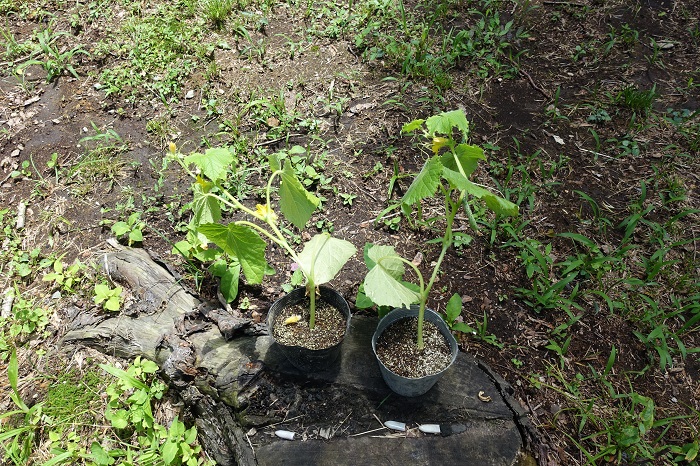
(446, 172)
(244, 241)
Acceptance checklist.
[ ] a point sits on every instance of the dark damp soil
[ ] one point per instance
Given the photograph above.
(397, 349)
(291, 326)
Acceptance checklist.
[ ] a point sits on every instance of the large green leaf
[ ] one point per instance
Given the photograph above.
(444, 122)
(242, 242)
(494, 202)
(384, 290)
(296, 203)
(425, 183)
(323, 257)
(213, 162)
(467, 155)
(383, 282)
(391, 261)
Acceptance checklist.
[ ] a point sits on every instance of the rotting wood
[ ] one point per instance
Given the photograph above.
(167, 324)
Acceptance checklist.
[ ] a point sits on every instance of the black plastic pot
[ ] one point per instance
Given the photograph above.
(407, 386)
(305, 359)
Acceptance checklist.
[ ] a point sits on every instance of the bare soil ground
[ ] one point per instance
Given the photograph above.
(563, 138)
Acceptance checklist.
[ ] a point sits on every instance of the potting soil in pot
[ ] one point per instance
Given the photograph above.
(328, 331)
(397, 349)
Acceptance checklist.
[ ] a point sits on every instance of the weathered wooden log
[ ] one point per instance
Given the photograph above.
(157, 325)
(235, 380)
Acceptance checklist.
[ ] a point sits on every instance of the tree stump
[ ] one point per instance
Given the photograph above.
(240, 388)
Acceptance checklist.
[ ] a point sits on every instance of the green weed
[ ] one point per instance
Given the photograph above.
(101, 161)
(130, 230)
(69, 407)
(110, 298)
(56, 61)
(217, 11)
(416, 42)
(613, 426)
(13, 47)
(453, 311)
(638, 100)
(18, 439)
(66, 277)
(155, 51)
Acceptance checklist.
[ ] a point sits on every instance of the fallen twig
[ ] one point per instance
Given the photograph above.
(367, 432)
(285, 420)
(532, 83)
(580, 5)
(593, 152)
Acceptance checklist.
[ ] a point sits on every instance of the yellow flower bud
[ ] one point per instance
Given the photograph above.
(266, 212)
(438, 143)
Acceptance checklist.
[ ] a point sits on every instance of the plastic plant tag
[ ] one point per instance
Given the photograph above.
(285, 434)
(395, 425)
(429, 428)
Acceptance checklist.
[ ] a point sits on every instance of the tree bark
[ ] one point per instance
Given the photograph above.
(168, 324)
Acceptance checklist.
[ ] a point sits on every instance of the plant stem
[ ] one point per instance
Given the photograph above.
(269, 186)
(235, 203)
(278, 238)
(451, 209)
(470, 215)
(465, 198)
(311, 288)
(423, 297)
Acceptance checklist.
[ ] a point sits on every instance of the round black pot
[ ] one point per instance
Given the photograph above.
(304, 359)
(407, 386)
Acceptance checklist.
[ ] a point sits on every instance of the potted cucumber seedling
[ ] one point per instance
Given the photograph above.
(304, 332)
(413, 344)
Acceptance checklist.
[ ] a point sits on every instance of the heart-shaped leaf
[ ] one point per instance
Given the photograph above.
(468, 157)
(385, 290)
(391, 261)
(241, 242)
(323, 257)
(382, 284)
(213, 162)
(444, 122)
